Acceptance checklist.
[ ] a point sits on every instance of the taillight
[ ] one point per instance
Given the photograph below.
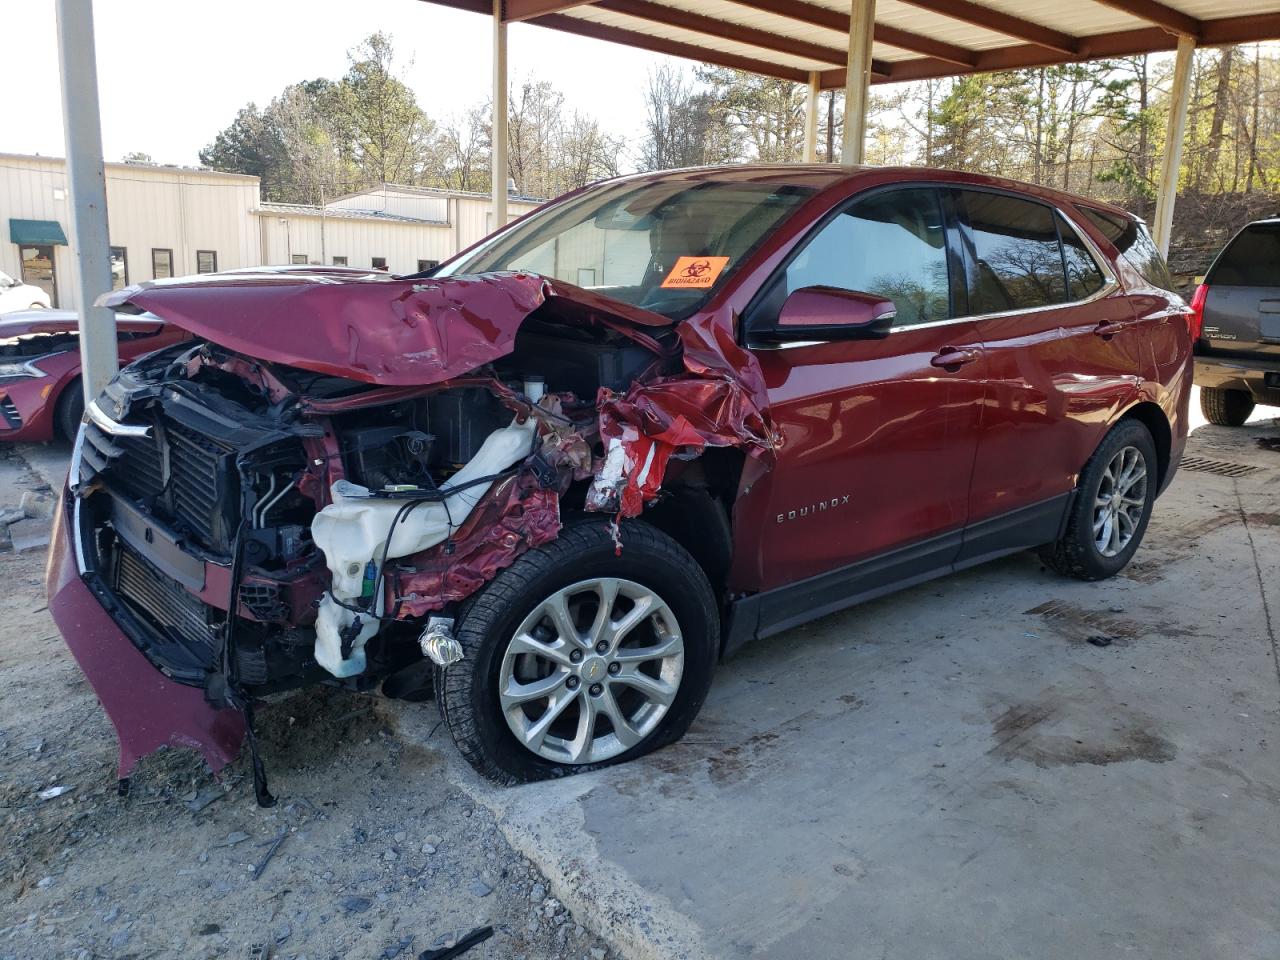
(1195, 319)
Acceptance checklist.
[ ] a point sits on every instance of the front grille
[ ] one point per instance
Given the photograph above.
(197, 466)
(163, 603)
(193, 490)
(12, 418)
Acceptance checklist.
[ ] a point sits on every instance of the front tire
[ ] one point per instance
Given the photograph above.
(1226, 408)
(1112, 507)
(579, 655)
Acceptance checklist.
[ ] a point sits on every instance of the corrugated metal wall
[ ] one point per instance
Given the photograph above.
(149, 207)
(188, 211)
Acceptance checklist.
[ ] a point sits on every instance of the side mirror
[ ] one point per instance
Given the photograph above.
(829, 313)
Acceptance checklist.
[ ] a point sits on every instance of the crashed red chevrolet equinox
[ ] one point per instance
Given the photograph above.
(554, 481)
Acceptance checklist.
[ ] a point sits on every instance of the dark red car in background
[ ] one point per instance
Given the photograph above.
(647, 423)
(40, 394)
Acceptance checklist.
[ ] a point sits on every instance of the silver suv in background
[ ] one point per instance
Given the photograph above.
(1238, 310)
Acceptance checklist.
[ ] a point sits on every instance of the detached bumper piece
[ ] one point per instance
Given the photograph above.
(148, 709)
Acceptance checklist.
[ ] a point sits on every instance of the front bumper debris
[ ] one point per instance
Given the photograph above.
(147, 709)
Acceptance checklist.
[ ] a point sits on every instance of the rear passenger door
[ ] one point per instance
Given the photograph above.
(1062, 351)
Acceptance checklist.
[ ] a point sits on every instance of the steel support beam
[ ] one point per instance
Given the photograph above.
(498, 147)
(811, 118)
(857, 86)
(1171, 164)
(99, 357)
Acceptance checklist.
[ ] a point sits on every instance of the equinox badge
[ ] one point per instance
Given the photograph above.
(813, 508)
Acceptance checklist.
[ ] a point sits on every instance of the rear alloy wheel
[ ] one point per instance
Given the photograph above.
(1112, 506)
(579, 655)
(1226, 408)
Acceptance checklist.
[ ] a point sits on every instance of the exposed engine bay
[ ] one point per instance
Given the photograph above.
(255, 524)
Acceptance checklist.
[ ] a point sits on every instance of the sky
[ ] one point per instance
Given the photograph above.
(172, 73)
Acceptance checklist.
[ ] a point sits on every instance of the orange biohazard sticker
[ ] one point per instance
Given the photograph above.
(695, 273)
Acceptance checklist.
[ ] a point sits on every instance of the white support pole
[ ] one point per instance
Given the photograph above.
(857, 86)
(1171, 164)
(498, 149)
(99, 359)
(811, 119)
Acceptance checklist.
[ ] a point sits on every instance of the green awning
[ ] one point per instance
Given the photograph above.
(36, 232)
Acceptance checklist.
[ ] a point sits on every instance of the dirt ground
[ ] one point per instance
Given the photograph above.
(370, 852)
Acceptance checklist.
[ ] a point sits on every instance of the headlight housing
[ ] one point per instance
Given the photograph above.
(20, 369)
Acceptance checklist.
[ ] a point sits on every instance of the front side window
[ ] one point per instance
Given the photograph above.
(119, 268)
(892, 245)
(1017, 260)
(161, 264)
(206, 261)
(665, 245)
(1084, 276)
(1252, 259)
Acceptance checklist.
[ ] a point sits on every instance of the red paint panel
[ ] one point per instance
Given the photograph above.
(877, 448)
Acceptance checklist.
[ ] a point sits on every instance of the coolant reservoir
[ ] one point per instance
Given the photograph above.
(355, 527)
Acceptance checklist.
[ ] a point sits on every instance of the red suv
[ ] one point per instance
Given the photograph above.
(554, 481)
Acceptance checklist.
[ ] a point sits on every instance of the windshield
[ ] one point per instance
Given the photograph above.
(665, 246)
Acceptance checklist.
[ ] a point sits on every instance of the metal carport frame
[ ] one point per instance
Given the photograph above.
(826, 44)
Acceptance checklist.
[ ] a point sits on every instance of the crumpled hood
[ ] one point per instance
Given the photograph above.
(370, 328)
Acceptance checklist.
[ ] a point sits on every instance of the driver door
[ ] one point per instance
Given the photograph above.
(879, 435)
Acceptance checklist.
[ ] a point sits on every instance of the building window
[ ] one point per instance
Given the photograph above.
(379, 263)
(299, 258)
(161, 263)
(425, 265)
(206, 261)
(339, 261)
(119, 268)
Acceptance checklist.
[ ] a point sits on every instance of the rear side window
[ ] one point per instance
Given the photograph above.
(1134, 242)
(891, 244)
(1018, 262)
(1252, 259)
(1084, 277)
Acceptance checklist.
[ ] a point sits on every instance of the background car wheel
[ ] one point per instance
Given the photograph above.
(37, 306)
(1114, 496)
(1226, 408)
(70, 408)
(578, 655)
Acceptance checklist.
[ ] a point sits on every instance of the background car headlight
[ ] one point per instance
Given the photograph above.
(20, 369)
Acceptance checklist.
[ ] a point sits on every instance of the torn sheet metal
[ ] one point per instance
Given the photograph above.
(720, 402)
(517, 515)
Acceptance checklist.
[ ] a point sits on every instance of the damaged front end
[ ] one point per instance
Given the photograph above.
(315, 507)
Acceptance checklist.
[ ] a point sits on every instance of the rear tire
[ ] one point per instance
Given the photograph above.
(487, 698)
(1112, 506)
(1226, 408)
(70, 410)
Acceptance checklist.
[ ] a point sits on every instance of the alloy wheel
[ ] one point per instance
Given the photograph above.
(591, 671)
(1120, 501)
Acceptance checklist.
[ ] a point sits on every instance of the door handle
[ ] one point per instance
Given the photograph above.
(1108, 329)
(954, 357)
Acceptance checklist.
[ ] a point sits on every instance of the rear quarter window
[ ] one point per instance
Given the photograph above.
(1252, 259)
(1134, 242)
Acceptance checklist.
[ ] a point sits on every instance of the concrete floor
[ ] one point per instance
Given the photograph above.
(956, 772)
